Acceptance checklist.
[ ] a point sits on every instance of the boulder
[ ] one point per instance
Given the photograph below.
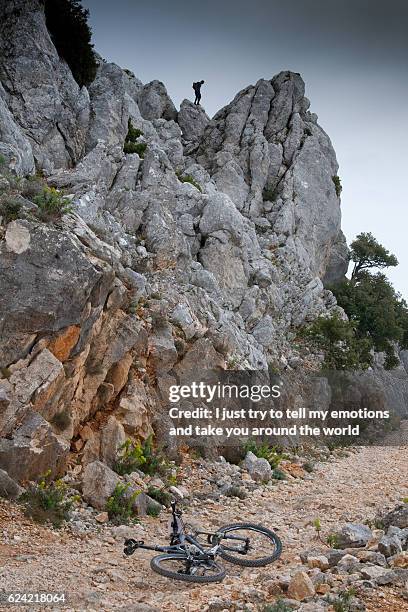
(155, 103)
(33, 449)
(98, 484)
(63, 277)
(319, 561)
(9, 488)
(354, 535)
(389, 545)
(397, 517)
(193, 120)
(373, 572)
(258, 468)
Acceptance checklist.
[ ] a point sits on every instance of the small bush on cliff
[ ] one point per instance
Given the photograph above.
(131, 145)
(142, 456)
(135, 147)
(67, 23)
(130, 458)
(61, 420)
(46, 501)
(187, 178)
(337, 185)
(120, 505)
(51, 204)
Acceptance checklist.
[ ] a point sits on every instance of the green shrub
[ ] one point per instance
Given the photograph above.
(337, 185)
(344, 601)
(10, 209)
(133, 133)
(187, 178)
(130, 458)
(141, 456)
(67, 23)
(2, 160)
(52, 204)
(278, 474)
(61, 420)
(262, 450)
(131, 145)
(120, 504)
(160, 495)
(333, 540)
(269, 195)
(135, 147)
(153, 511)
(46, 501)
(336, 338)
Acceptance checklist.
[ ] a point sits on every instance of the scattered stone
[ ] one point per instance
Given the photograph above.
(319, 561)
(98, 484)
(258, 468)
(354, 535)
(389, 545)
(301, 587)
(102, 517)
(399, 560)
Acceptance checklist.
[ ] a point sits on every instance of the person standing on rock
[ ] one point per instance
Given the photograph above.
(197, 89)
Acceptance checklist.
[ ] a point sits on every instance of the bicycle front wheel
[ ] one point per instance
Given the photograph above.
(249, 545)
(178, 567)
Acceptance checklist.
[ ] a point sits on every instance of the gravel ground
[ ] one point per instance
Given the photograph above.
(92, 570)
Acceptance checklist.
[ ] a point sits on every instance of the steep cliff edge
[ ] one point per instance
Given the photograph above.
(206, 247)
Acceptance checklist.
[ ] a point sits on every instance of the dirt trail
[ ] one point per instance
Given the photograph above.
(96, 576)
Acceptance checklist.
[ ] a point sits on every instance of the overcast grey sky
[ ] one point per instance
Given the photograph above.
(352, 54)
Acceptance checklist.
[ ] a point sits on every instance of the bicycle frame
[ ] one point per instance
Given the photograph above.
(187, 545)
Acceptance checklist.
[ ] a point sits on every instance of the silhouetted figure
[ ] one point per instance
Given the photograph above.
(197, 89)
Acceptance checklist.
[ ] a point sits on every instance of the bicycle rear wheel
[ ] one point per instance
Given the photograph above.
(177, 566)
(249, 545)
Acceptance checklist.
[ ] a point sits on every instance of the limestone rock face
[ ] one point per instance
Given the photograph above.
(206, 249)
(113, 99)
(14, 145)
(45, 281)
(41, 92)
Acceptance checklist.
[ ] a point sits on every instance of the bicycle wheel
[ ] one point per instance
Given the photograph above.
(176, 566)
(249, 545)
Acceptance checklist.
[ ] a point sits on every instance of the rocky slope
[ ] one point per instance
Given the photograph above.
(211, 249)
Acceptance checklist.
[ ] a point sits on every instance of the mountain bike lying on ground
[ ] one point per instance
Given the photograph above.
(192, 557)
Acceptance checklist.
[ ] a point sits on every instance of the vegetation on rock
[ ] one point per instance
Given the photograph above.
(46, 501)
(120, 504)
(131, 145)
(187, 178)
(377, 313)
(67, 23)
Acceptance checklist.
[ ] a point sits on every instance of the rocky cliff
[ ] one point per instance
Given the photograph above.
(208, 249)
